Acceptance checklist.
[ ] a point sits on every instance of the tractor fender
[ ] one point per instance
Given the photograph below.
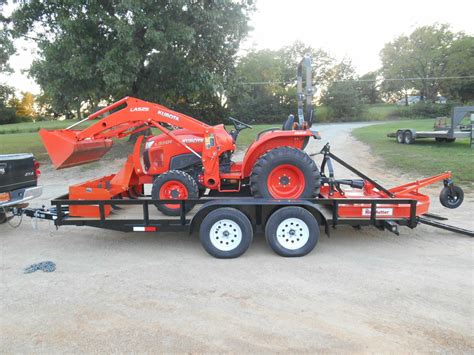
(272, 140)
(248, 207)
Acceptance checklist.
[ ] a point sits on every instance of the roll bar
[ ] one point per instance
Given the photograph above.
(305, 98)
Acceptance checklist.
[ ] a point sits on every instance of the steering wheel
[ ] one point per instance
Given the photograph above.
(239, 125)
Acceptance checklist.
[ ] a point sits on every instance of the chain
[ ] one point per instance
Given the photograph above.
(45, 266)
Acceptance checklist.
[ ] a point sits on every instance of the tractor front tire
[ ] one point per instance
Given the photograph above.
(285, 173)
(174, 185)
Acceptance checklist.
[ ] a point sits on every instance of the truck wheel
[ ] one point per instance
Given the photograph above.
(408, 137)
(174, 185)
(400, 138)
(226, 233)
(292, 231)
(3, 216)
(451, 196)
(285, 172)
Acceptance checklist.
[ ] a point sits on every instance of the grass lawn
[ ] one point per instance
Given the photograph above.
(378, 112)
(30, 127)
(425, 157)
(31, 142)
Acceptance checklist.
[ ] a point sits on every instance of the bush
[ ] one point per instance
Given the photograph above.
(343, 101)
(8, 115)
(425, 110)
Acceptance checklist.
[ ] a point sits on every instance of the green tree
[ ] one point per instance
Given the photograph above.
(263, 85)
(342, 95)
(423, 54)
(6, 44)
(368, 89)
(258, 86)
(460, 63)
(7, 112)
(173, 52)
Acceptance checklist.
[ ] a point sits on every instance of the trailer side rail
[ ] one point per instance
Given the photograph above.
(182, 223)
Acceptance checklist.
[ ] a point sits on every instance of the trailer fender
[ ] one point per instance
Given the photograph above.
(253, 209)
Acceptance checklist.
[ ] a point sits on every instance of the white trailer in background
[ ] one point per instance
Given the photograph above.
(442, 133)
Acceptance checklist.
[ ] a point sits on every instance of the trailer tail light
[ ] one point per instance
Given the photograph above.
(144, 229)
(37, 170)
(4, 196)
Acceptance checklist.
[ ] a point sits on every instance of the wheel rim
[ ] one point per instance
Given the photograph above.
(292, 233)
(407, 137)
(225, 235)
(173, 190)
(453, 199)
(286, 181)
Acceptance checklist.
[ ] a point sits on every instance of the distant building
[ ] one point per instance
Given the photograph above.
(413, 99)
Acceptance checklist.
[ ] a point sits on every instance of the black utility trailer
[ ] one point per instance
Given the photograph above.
(226, 223)
(443, 133)
(292, 227)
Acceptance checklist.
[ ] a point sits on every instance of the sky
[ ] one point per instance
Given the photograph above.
(356, 29)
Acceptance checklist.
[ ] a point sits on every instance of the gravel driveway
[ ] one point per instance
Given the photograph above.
(358, 291)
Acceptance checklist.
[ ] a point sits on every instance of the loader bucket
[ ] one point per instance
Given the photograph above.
(65, 150)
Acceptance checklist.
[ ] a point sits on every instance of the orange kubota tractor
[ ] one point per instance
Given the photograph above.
(189, 157)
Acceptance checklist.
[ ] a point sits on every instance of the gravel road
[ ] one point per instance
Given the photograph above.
(358, 291)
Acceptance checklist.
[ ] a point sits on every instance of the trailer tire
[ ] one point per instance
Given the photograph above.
(285, 172)
(408, 137)
(174, 182)
(440, 139)
(450, 140)
(451, 196)
(292, 231)
(400, 137)
(226, 233)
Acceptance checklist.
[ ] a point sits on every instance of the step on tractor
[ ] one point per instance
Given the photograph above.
(189, 157)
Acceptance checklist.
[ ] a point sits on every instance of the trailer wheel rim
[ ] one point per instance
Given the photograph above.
(292, 233)
(286, 181)
(173, 190)
(225, 235)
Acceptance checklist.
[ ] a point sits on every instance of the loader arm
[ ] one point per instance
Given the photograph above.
(71, 147)
(131, 114)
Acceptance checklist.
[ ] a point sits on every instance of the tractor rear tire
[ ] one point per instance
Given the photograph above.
(174, 184)
(285, 173)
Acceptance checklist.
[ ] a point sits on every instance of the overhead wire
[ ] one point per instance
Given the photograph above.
(365, 80)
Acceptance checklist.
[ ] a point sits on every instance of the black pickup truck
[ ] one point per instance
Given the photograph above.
(18, 181)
